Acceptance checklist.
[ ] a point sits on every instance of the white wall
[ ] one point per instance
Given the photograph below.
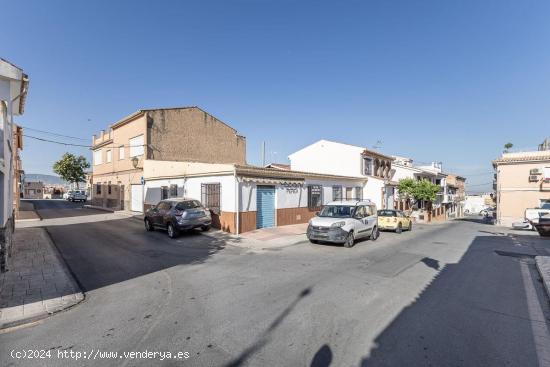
(474, 203)
(292, 196)
(328, 157)
(190, 187)
(373, 191)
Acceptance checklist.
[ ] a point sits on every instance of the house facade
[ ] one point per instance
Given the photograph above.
(33, 190)
(328, 157)
(18, 172)
(522, 182)
(13, 90)
(169, 134)
(243, 198)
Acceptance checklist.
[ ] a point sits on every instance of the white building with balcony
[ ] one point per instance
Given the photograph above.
(329, 157)
(13, 90)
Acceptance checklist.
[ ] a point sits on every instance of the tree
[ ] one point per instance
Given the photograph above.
(507, 147)
(419, 190)
(405, 188)
(71, 168)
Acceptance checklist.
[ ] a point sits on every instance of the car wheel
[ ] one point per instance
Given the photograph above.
(172, 232)
(375, 234)
(205, 228)
(399, 228)
(148, 225)
(350, 240)
(314, 241)
(410, 226)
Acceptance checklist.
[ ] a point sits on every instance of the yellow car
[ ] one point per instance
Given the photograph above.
(394, 220)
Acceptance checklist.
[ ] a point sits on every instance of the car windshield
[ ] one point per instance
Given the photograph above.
(386, 213)
(337, 211)
(189, 204)
(545, 205)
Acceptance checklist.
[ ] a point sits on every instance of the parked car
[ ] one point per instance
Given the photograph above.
(532, 217)
(176, 215)
(67, 194)
(394, 220)
(487, 212)
(344, 222)
(77, 195)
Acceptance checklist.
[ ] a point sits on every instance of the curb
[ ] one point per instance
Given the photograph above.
(543, 267)
(97, 208)
(80, 294)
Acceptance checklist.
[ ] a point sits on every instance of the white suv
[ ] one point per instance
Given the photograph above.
(344, 222)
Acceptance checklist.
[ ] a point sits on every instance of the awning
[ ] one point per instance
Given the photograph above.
(273, 181)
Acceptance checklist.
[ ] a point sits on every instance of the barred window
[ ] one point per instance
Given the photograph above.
(358, 193)
(367, 166)
(173, 190)
(314, 196)
(336, 193)
(98, 188)
(163, 192)
(211, 197)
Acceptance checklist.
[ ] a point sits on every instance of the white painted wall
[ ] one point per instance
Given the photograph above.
(293, 196)
(190, 187)
(474, 203)
(328, 157)
(373, 191)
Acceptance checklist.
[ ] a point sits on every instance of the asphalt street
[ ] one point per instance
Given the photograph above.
(453, 294)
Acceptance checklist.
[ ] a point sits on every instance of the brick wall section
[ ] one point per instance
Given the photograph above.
(191, 134)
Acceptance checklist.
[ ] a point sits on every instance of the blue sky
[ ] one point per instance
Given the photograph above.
(448, 81)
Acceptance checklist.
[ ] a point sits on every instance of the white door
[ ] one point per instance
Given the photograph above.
(137, 198)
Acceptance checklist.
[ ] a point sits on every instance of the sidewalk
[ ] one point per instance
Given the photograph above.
(27, 212)
(276, 237)
(38, 283)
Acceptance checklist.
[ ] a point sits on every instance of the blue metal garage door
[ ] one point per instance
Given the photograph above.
(265, 206)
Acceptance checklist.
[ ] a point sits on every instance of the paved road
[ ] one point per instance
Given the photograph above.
(438, 296)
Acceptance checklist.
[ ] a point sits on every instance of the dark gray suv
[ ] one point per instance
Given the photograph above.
(175, 215)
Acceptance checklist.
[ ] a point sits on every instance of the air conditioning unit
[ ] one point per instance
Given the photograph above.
(533, 178)
(534, 171)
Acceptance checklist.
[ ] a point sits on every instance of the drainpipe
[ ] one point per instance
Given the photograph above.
(237, 202)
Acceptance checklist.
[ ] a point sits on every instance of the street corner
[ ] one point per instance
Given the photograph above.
(38, 283)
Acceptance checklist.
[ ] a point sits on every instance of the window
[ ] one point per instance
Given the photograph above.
(367, 166)
(210, 197)
(164, 205)
(109, 188)
(173, 190)
(314, 196)
(97, 157)
(121, 152)
(359, 193)
(98, 188)
(336, 193)
(109, 156)
(136, 146)
(360, 212)
(371, 210)
(190, 204)
(163, 192)
(349, 193)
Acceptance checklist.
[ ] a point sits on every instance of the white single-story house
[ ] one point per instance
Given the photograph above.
(242, 197)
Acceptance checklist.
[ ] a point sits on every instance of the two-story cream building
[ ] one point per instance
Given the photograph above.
(165, 134)
(522, 182)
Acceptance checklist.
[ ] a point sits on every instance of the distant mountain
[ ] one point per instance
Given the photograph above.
(47, 179)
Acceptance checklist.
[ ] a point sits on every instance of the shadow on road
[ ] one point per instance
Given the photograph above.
(55, 208)
(265, 337)
(477, 312)
(106, 252)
